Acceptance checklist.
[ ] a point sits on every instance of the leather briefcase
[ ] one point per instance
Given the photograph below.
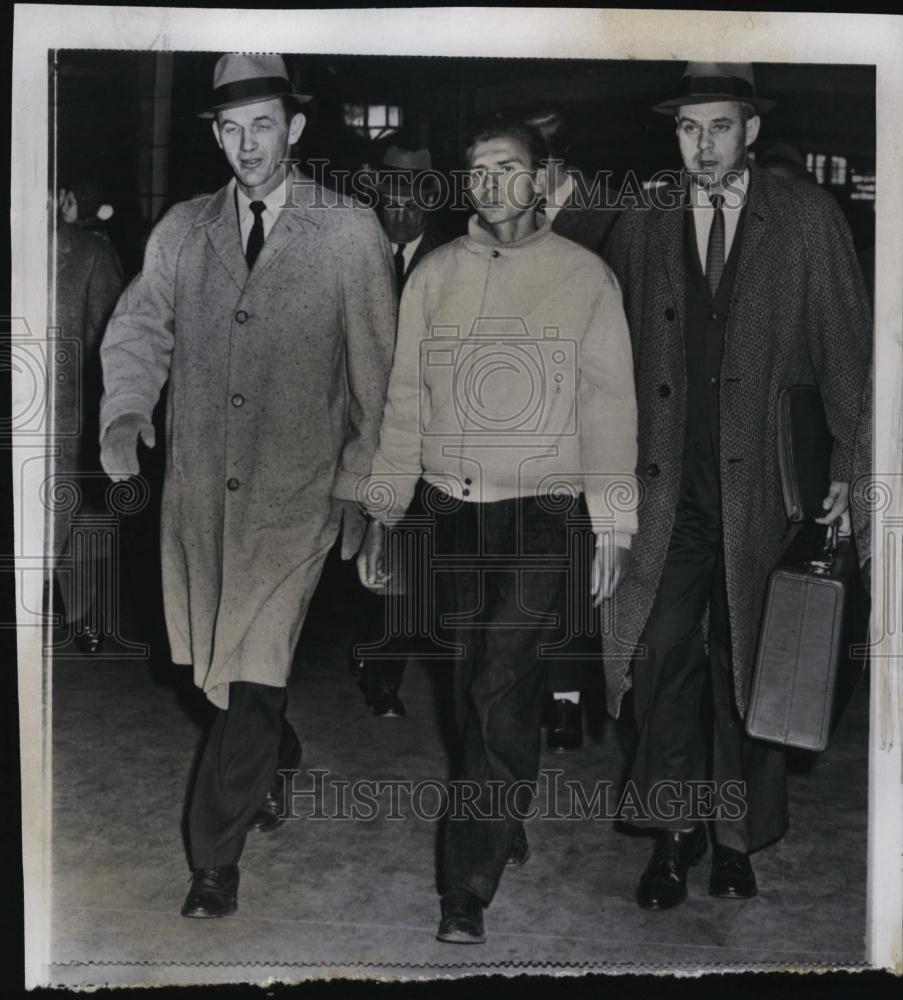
(801, 643)
(804, 451)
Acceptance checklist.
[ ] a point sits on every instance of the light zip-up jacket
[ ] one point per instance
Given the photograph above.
(512, 377)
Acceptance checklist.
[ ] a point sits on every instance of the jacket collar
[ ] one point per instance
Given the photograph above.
(482, 240)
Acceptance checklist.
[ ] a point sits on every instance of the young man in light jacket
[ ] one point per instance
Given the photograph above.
(512, 393)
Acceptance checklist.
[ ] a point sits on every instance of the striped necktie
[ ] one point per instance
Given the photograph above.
(714, 257)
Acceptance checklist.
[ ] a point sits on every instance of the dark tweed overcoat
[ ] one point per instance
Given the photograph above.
(799, 315)
(277, 381)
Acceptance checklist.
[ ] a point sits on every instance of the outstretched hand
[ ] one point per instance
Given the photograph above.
(119, 448)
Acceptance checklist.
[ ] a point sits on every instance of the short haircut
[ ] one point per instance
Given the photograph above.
(504, 127)
(552, 127)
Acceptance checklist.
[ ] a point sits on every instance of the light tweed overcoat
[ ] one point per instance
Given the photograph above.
(799, 315)
(277, 381)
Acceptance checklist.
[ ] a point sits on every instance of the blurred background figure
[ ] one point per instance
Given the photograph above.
(784, 160)
(578, 211)
(83, 204)
(408, 195)
(88, 284)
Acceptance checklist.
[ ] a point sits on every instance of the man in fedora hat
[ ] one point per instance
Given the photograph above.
(737, 284)
(272, 319)
(408, 191)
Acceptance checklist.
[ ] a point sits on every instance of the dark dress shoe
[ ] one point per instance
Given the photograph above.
(386, 704)
(89, 641)
(565, 731)
(732, 874)
(213, 892)
(664, 882)
(274, 809)
(462, 918)
(520, 850)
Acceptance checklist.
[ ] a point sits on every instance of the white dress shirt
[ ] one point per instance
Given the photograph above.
(408, 253)
(273, 202)
(703, 213)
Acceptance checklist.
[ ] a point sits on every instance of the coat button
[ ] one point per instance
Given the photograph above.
(467, 482)
(670, 314)
(238, 400)
(495, 253)
(664, 391)
(466, 492)
(232, 484)
(652, 469)
(241, 316)
(713, 380)
(713, 315)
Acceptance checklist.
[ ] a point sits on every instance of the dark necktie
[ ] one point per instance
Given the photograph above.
(255, 238)
(399, 266)
(714, 258)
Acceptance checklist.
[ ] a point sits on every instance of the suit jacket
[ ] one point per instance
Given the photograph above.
(432, 238)
(799, 314)
(277, 380)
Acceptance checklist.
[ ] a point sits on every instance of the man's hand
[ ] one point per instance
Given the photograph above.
(371, 559)
(608, 565)
(836, 504)
(119, 448)
(353, 526)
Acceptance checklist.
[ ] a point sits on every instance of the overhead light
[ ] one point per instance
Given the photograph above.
(373, 121)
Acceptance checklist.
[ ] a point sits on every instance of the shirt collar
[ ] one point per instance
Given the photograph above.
(273, 200)
(734, 197)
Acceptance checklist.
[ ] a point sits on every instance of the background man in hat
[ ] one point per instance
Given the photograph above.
(583, 212)
(408, 191)
(272, 318)
(737, 284)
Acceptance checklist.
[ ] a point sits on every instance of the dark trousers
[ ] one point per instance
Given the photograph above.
(383, 652)
(689, 727)
(500, 580)
(247, 744)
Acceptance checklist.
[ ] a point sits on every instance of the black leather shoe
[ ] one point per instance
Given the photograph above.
(732, 874)
(565, 731)
(213, 892)
(664, 882)
(275, 806)
(386, 704)
(89, 641)
(462, 918)
(520, 850)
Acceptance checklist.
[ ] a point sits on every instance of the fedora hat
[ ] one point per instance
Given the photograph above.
(708, 82)
(400, 168)
(245, 78)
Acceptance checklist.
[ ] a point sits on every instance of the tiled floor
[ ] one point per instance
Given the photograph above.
(358, 896)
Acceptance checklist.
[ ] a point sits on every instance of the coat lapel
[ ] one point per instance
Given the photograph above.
(290, 223)
(669, 234)
(755, 224)
(221, 221)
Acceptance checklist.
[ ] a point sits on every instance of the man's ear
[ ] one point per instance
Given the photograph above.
(215, 125)
(296, 127)
(752, 129)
